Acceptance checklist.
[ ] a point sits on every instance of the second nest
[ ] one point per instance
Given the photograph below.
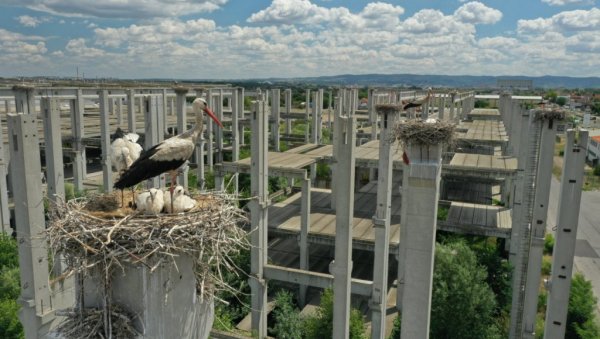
(417, 132)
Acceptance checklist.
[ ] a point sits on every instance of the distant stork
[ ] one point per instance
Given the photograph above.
(416, 103)
(168, 155)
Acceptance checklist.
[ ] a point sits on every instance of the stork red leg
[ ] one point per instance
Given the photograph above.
(172, 188)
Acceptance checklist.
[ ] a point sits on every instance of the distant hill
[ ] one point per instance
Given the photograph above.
(438, 80)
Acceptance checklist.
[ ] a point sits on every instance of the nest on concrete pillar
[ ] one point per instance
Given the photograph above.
(388, 108)
(552, 114)
(92, 237)
(418, 132)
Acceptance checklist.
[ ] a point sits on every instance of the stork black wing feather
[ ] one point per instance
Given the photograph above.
(145, 168)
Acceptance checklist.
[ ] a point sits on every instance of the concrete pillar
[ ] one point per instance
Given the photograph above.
(77, 128)
(6, 106)
(107, 181)
(341, 267)
(288, 110)
(319, 104)
(180, 93)
(119, 111)
(538, 224)
(111, 105)
(151, 132)
(209, 131)
(452, 106)
(381, 221)
(164, 107)
(275, 115)
(420, 211)
(303, 240)
(442, 106)
(131, 123)
(141, 104)
(4, 210)
(172, 110)
(24, 99)
(242, 114)
(566, 235)
(259, 217)
(54, 156)
(200, 170)
(235, 137)
(218, 102)
(36, 312)
(307, 130)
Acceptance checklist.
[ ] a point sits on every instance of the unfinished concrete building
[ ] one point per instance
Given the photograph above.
(358, 233)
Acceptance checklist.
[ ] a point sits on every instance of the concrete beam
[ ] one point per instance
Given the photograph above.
(303, 241)
(314, 279)
(55, 174)
(4, 210)
(77, 126)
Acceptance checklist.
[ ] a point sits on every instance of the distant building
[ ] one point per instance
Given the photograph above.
(515, 84)
(593, 153)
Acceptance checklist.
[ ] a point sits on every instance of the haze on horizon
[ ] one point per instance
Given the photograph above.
(237, 39)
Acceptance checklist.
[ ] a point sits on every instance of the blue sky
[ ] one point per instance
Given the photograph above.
(225, 39)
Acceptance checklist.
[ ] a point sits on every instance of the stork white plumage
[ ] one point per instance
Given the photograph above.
(168, 155)
(180, 203)
(151, 201)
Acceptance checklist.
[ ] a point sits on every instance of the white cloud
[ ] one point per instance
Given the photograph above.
(28, 21)
(477, 13)
(122, 9)
(567, 22)
(563, 2)
(78, 48)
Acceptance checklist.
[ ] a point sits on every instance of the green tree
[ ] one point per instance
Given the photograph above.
(460, 288)
(551, 95)
(320, 326)
(288, 324)
(8, 251)
(561, 101)
(10, 327)
(580, 316)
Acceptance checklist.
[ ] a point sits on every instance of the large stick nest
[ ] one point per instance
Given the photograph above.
(388, 108)
(210, 233)
(417, 132)
(554, 114)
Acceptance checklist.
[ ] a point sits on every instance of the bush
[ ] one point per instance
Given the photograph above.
(320, 326)
(288, 324)
(546, 266)
(10, 327)
(548, 244)
(580, 316)
(597, 170)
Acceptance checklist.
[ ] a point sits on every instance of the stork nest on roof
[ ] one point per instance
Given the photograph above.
(417, 132)
(554, 114)
(210, 233)
(388, 108)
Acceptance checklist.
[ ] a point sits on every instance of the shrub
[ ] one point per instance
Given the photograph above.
(548, 244)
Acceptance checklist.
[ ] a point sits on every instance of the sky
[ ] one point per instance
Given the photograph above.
(241, 39)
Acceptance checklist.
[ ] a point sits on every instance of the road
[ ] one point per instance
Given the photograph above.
(587, 251)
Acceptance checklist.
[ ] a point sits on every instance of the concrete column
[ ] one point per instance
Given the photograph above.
(119, 111)
(172, 106)
(164, 107)
(4, 210)
(381, 221)
(24, 99)
(218, 102)
(107, 181)
(425, 110)
(111, 105)
(141, 105)
(422, 178)
(307, 130)
(338, 112)
(209, 132)
(566, 235)
(200, 171)
(242, 114)
(319, 104)
(442, 106)
(151, 132)
(303, 241)
(180, 93)
(6, 106)
(54, 156)
(452, 107)
(288, 110)
(538, 224)
(341, 267)
(275, 114)
(36, 312)
(77, 128)
(131, 125)
(259, 217)
(235, 134)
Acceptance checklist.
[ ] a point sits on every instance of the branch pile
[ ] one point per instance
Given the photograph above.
(417, 132)
(388, 108)
(554, 114)
(92, 241)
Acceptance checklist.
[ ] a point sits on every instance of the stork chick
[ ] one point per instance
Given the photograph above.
(151, 201)
(180, 203)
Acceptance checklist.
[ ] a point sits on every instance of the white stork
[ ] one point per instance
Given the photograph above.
(150, 202)
(181, 202)
(416, 103)
(168, 155)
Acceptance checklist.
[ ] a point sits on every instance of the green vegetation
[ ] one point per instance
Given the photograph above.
(321, 325)
(10, 327)
(288, 323)
(561, 101)
(548, 244)
(597, 170)
(460, 287)
(442, 213)
(581, 322)
(482, 104)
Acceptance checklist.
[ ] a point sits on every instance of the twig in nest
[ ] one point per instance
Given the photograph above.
(423, 133)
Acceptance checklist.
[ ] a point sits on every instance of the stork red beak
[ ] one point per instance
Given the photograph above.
(213, 116)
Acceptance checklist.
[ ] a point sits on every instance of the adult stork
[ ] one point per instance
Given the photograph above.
(416, 103)
(168, 155)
